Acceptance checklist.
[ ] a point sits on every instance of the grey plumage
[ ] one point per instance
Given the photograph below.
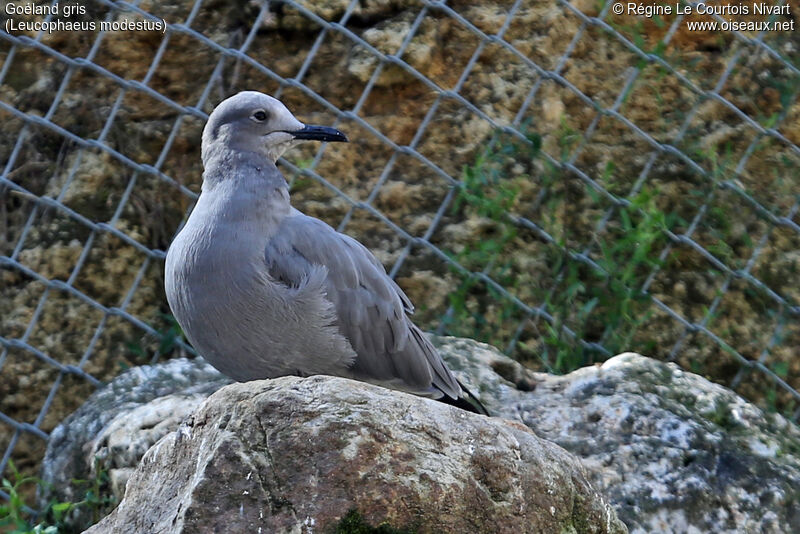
(262, 290)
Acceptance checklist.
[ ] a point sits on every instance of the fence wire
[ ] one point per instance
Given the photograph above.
(533, 200)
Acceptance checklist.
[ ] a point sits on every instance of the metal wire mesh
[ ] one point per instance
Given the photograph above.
(488, 154)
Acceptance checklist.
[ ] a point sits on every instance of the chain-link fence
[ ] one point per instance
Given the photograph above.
(565, 180)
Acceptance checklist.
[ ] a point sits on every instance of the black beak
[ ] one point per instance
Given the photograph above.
(320, 133)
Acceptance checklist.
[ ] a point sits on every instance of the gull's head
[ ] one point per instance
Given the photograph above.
(255, 122)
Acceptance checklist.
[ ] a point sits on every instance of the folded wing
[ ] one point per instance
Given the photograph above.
(372, 311)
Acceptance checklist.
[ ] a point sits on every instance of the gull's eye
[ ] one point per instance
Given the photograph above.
(260, 115)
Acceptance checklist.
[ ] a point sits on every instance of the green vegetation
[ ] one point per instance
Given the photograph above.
(167, 338)
(18, 517)
(353, 523)
(591, 251)
(487, 194)
(612, 306)
(599, 301)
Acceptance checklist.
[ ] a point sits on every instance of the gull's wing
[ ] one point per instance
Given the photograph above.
(371, 309)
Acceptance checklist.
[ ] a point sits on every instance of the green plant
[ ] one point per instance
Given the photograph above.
(353, 523)
(169, 334)
(17, 517)
(607, 306)
(601, 304)
(487, 193)
(97, 496)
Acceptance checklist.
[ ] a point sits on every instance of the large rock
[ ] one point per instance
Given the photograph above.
(111, 432)
(672, 451)
(295, 455)
(117, 425)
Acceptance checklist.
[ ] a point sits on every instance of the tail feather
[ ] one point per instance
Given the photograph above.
(468, 401)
